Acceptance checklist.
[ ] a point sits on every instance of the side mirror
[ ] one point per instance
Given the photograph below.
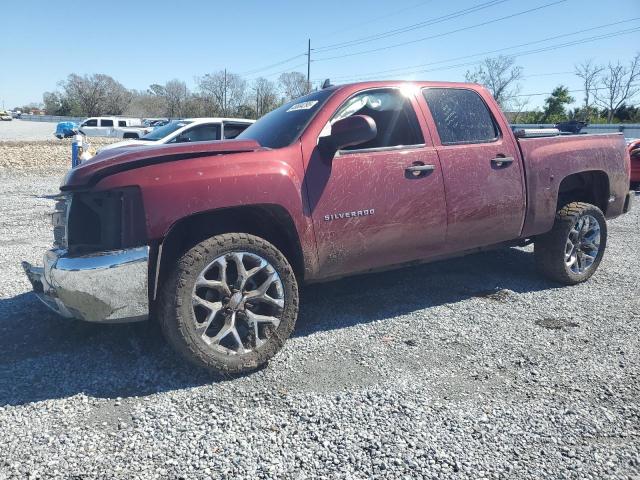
(349, 131)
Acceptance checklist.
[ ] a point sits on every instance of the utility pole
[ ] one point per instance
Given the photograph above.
(309, 66)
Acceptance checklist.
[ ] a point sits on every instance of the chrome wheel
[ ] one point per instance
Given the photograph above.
(238, 302)
(583, 244)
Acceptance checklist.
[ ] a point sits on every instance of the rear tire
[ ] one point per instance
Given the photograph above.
(230, 303)
(571, 252)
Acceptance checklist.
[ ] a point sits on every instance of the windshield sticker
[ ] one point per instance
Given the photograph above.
(302, 106)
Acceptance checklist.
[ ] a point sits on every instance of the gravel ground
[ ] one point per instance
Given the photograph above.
(470, 368)
(26, 130)
(40, 157)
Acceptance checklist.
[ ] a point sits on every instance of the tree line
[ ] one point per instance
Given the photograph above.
(219, 94)
(609, 92)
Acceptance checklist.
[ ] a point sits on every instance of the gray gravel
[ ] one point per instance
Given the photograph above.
(470, 368)
(27, 130)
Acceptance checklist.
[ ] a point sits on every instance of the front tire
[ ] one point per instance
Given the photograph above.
(571, 252)
(230, 303)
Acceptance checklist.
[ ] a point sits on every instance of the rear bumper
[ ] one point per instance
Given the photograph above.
(105, 287)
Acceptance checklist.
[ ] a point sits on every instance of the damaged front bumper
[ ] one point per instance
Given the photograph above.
(106, 287)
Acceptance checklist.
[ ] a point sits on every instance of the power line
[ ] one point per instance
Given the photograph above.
(517, 54)
(273, 65)
(374, 19)
(490, 52)
(408, 28)
(568, 91)
(524, 12)
(290, 59)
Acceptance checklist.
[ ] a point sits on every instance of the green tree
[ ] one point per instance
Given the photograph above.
(554, 106)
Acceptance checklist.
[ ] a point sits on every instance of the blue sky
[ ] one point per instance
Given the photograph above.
(140, 43)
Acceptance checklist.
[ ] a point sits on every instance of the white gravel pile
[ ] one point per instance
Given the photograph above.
(469, 368)
(18, 156)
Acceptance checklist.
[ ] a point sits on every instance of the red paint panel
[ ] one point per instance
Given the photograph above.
(397, 218)
(551, 159)
(174, 190)
(485, 204)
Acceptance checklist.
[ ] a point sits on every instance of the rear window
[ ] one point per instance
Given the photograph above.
(461, 116)
(233, 130)
(122, 123)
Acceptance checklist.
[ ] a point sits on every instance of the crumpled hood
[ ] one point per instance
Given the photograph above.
(127, 158)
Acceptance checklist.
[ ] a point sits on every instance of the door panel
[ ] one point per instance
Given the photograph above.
(368, 211)
(481, 167)
(485, 202)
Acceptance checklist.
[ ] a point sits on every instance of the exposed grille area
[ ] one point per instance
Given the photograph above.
(104, 221)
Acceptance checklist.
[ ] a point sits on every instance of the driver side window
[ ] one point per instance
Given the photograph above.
(393, 113)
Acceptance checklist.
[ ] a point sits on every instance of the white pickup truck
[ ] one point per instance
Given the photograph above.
(107, 126)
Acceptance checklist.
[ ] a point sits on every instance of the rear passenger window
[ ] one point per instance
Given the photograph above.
(106, 123)
(461, 116)
(122, 123)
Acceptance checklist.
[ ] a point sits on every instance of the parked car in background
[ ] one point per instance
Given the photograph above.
(215, 237)
(6, 116)
(104, 126)
(634, 153)
(16, 114)
(189, 130)
(155, 122)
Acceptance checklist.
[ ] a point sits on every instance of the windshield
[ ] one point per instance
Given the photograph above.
(161, 132)
(285, 124)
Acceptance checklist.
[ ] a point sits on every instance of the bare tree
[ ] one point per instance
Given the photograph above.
(518, 106)
(293, 85)
(117, 97)
(176, 95)
(95, 94)
(500, 75)
(589, 72)
(223, 92)
(266, 96)
(88, 93)
(618, 86)
(145, 104)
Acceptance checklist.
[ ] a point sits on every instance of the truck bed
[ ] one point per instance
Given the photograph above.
(548, 160)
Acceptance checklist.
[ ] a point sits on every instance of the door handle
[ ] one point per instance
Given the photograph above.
(502, 161)
(418, 170)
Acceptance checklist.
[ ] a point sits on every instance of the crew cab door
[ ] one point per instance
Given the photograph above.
(483, 176)
(379, 203)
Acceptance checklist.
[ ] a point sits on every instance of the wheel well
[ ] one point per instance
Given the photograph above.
(591, 187)
(271, 222)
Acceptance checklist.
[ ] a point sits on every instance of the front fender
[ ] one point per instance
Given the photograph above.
(175, 190)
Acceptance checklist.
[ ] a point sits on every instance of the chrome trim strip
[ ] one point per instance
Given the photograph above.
(382, 149)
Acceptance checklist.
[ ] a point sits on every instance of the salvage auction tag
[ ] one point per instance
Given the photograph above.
(302, 106)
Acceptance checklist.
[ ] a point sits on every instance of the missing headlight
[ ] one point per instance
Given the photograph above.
(109, 220)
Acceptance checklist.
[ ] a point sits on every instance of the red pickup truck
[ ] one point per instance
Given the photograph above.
(213, 239)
